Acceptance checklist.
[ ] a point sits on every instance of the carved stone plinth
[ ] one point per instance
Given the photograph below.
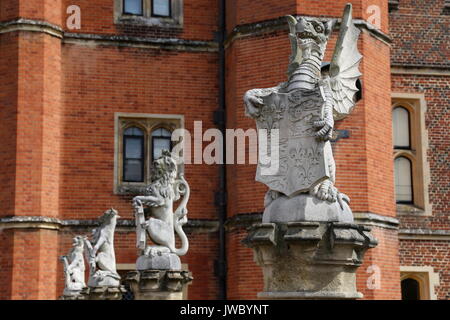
(158, 284)
(103, 293)
(309, 260)
(72, 295)
(165, 261)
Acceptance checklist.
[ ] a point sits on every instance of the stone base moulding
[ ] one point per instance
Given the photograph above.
(102, 293)
(309, 260)
(158, 284)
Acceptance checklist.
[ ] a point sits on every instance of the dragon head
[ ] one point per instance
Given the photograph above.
(313, 35)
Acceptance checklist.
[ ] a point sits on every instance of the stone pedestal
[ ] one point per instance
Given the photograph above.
(309, 260)
(158, 284)
(103, 293)
(72, 295)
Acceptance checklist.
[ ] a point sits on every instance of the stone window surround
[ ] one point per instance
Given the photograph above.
(416, 105)
(148, 122)
(175, 21)
(426, 277)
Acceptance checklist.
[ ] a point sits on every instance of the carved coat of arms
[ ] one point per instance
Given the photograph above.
(302, 160)
(305, 107)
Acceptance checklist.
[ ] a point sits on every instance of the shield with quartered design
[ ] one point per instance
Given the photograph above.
(302, 160)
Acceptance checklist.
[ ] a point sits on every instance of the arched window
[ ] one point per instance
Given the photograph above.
(161, 140)
(401, 128)
(403, 180)
(133, 155)
(410, 289)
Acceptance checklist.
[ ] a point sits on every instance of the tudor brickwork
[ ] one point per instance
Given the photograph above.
(420, 33)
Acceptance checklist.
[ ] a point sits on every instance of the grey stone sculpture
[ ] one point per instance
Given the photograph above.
(156, 218)
(304, 109)
(74, 268)
(100, 252)
(308, 245)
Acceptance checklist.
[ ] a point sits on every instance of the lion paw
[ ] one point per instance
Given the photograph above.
(326, 191)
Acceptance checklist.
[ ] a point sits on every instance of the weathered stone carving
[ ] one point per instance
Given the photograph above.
(304, 109)
(156, 218)
(309, 260)
(100, 253)
(74, 268)
(158, 284)
(307, 245)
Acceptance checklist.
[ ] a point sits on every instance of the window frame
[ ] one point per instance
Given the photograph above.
(410, 202)
(409, 147)
(133, 14)
(143, 151)
(427, 278)
(148, 123)
(159, 137)
(415, 104)
(174, 21)
(152, 12)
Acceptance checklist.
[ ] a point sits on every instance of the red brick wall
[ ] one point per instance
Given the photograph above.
(420, 33)
(419, 29)
(429, 253)
(200, 20)
(385, 258)
(141, 81)
(8, 119)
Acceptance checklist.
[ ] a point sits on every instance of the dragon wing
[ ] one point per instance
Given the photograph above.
(344, 68)
(295, 59)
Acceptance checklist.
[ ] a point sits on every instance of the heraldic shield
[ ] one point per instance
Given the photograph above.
(302, 158)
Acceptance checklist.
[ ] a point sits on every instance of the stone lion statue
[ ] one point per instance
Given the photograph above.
(156, 218)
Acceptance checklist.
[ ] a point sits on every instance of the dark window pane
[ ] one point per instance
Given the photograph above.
(410, 289)
(132, 6)
(161, 8)
(133, 171)
(160, 144)
(133, 148)
(401, 130)
(161, 132)
(403, 180)
(133, 131)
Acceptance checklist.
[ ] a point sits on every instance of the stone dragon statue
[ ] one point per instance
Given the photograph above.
(74, 268)
(306, 160)
(156, 217)
(100, 252)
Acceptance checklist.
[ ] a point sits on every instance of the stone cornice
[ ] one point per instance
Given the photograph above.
(362, 218)
(111, 40)
(31, 25)
(141, 42)
(376, 220)
(421, 70)
(35, 222)
(258, 28)
(424, 234)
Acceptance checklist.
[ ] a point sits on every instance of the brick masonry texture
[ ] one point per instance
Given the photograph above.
(57, 106)
(429, 253)
(420, 33)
